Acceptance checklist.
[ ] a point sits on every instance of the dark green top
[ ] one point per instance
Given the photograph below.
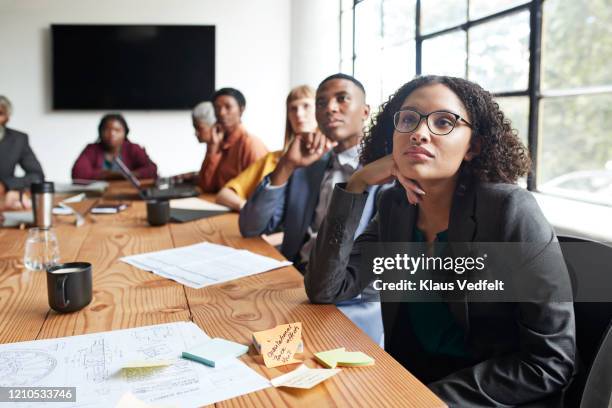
(432, 322)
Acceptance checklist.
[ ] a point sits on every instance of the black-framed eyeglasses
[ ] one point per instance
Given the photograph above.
(439, 122)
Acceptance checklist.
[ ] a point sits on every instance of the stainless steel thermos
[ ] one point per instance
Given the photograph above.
(42, 203)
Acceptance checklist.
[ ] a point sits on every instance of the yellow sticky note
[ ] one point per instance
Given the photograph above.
(279, 345)
(147, 363)
(329, 358)
(341, 357)
(303, 377)
(355, 359)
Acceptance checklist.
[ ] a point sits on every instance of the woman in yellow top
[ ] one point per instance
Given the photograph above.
(300, 119)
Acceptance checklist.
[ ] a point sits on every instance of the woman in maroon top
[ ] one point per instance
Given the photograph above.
(96, 162)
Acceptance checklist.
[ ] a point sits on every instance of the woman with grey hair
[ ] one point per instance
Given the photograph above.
(15, 150)
(203, 119)
(203, 114)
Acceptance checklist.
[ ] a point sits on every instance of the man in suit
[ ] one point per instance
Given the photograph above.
(296, 194)
(15, 149)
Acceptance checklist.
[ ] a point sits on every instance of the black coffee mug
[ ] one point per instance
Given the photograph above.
(69, 286)
(158, 212)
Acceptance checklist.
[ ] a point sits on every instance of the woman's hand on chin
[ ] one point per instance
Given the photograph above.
(383, 171)
(413, 190)
(380, 171)
(216, 138)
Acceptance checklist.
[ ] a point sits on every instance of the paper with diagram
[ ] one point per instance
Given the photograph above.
(203, 264)
(94, 364)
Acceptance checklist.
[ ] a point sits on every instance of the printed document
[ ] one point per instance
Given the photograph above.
(204, 264)
(96, 364)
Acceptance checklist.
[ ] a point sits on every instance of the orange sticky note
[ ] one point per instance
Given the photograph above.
(279, 345)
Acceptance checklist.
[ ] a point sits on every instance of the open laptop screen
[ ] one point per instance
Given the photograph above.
(127, 173)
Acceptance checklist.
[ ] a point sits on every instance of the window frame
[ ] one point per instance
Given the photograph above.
(533, 93)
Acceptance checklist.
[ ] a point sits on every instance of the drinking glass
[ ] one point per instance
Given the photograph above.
(41, 249)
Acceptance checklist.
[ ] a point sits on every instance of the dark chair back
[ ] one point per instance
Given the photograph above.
(590, 266)
(598, 388)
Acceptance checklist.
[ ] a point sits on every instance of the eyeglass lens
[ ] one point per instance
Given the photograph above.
(440, 123)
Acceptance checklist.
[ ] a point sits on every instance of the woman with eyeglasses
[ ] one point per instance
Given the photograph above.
(455, 161)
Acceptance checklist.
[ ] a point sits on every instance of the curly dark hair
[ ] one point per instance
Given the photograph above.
(503, 158)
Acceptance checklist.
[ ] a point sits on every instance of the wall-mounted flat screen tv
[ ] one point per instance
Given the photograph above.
(117, 67)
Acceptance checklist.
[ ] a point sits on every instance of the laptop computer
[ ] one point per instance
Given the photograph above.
(155, 193)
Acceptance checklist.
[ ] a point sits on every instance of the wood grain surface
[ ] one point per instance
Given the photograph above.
(125, 297)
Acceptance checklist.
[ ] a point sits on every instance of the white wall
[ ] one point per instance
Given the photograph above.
(315, 40)
(253, 55)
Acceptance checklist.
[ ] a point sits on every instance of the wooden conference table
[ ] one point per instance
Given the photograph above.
(126, 297)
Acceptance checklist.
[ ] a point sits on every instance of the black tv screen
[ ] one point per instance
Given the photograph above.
(116, 67)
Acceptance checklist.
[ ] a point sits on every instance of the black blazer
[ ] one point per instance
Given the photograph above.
(522, 352)
(15, 149)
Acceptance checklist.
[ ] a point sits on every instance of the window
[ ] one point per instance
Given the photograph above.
(499, 53)
(346, 36)
(445, 54)
(383, 53)
(368, 17)
(437, 15)
(559, 100)
(576, 104)
(398, 47)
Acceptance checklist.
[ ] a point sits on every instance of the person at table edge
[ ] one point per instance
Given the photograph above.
(15, 150)
(96, 162)
(230, 148)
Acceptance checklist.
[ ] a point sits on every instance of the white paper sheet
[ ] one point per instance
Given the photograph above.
(193, 203)
(16, 218)
(66, 210)
(93, 363)
(203, 264)
(128, 400)
(85, 186)
(304, 377)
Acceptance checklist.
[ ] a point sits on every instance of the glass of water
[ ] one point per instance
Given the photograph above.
(41, 249)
